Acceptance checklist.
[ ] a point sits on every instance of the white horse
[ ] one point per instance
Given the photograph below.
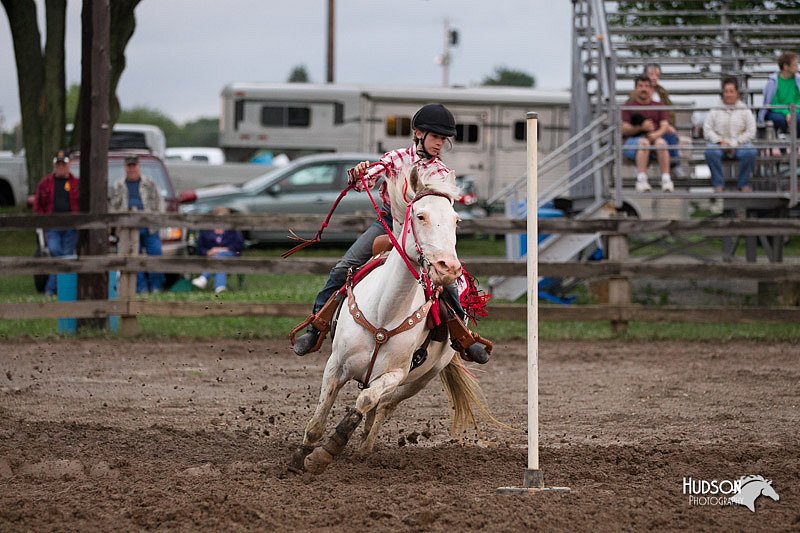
(388, 298)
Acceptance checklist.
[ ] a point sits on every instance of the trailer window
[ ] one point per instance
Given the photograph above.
(466, 133)
(397, 126)
(282, 117)
(521, 130)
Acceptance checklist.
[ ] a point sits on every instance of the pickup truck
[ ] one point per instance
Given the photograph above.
(13, 181)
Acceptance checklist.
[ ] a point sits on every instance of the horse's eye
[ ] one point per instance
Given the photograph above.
(421, 217)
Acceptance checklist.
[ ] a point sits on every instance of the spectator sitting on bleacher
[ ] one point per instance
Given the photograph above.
(218, 242)
(729, 129)
(644, 128)
(783, 87)
(661, 97)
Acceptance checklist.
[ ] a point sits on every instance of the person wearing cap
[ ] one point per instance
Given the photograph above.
(140, 193)
(58, 193)
(433, 127)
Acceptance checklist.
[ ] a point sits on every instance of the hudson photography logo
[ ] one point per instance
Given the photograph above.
(743, 491)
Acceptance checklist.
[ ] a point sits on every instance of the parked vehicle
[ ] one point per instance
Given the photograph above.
(173, 240)
(307, 186)
(298, 118)
(13, 180)
(134, 137)
(196, 154)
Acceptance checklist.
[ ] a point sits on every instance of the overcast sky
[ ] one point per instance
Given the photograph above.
(184, 51)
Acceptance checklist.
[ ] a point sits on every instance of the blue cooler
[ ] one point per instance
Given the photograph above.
(67, 291)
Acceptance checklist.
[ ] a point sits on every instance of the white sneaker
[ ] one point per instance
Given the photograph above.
(667, 185)
(219, 290)
(200, 282)
(642, 186)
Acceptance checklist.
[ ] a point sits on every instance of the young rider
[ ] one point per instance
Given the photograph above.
(433, 126)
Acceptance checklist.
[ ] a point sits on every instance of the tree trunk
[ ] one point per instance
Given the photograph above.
(30, 82)
(54, 91)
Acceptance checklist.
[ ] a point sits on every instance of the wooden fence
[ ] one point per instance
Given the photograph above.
(619, 269)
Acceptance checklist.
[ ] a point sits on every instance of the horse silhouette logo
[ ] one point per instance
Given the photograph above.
(751, 488)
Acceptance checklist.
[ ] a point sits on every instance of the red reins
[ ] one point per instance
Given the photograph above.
(419, 277)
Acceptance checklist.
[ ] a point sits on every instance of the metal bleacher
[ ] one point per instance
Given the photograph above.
(695, 48)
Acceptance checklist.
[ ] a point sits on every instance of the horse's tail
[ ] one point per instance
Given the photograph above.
(463, 390)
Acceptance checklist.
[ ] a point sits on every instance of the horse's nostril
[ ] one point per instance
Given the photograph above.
(449, 266)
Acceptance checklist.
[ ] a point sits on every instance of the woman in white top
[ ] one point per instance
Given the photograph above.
(729, 130)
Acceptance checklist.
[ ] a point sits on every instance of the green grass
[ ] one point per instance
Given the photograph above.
(303, 287)
(496, 330)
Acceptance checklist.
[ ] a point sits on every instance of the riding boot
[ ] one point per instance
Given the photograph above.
(319, 323)
(470, 345)
(306, 342)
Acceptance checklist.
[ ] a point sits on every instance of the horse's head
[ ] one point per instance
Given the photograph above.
(429, 229)
(751, 488)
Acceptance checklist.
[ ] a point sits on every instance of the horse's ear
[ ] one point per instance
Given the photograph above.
(413, 179)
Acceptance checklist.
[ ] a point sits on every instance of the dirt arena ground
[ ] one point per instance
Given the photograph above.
(190, 436)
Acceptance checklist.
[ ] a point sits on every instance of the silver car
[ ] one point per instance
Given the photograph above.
(308, 186)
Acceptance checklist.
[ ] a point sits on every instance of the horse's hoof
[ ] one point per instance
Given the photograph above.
(317, 461)
(296, 464)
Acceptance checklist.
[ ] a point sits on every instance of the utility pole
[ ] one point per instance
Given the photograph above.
(331, 48)
(95, 80)
(450, 39)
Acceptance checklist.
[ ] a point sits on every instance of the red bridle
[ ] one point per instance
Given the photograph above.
(421, 276)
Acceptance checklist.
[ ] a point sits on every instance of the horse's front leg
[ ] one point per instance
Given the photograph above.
(321, 457)
(389, 403)
(381, 414)
(332, 382)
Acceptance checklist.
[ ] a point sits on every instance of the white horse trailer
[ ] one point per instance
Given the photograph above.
(300, 118)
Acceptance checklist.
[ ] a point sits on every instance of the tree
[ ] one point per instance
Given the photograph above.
(41, 76)
(299, 74)
(200, 132)
(687, 13)
(509, 77)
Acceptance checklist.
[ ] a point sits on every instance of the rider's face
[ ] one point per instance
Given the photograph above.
(433, 142)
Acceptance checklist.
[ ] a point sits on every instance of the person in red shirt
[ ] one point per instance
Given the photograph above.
(58, 193)
(643, 129)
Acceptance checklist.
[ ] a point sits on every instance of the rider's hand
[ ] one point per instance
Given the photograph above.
(353, 175)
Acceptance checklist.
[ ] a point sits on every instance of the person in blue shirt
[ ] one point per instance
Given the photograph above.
(218, 243)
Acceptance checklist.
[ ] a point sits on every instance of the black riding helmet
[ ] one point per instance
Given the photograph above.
(434, 118)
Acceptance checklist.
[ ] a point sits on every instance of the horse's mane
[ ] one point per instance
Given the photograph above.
(400, 192)
(747, 479)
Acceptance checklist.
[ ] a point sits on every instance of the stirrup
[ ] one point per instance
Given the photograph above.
(309, 321)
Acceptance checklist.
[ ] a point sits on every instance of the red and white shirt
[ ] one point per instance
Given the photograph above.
(404, 158)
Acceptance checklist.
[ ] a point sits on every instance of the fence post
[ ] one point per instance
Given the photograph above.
(128, 247)
(619, 287)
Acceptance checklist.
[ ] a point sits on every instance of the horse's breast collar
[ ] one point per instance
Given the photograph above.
(382, 335)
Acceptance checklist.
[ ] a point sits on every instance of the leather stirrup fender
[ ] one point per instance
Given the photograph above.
(321, 321)
(324, 317)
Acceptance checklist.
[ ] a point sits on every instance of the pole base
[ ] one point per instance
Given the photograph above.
(532, 482)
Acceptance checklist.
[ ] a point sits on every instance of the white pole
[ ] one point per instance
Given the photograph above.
(533, 298)
(533, 480)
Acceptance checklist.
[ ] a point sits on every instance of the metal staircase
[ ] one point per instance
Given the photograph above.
(612, 41)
